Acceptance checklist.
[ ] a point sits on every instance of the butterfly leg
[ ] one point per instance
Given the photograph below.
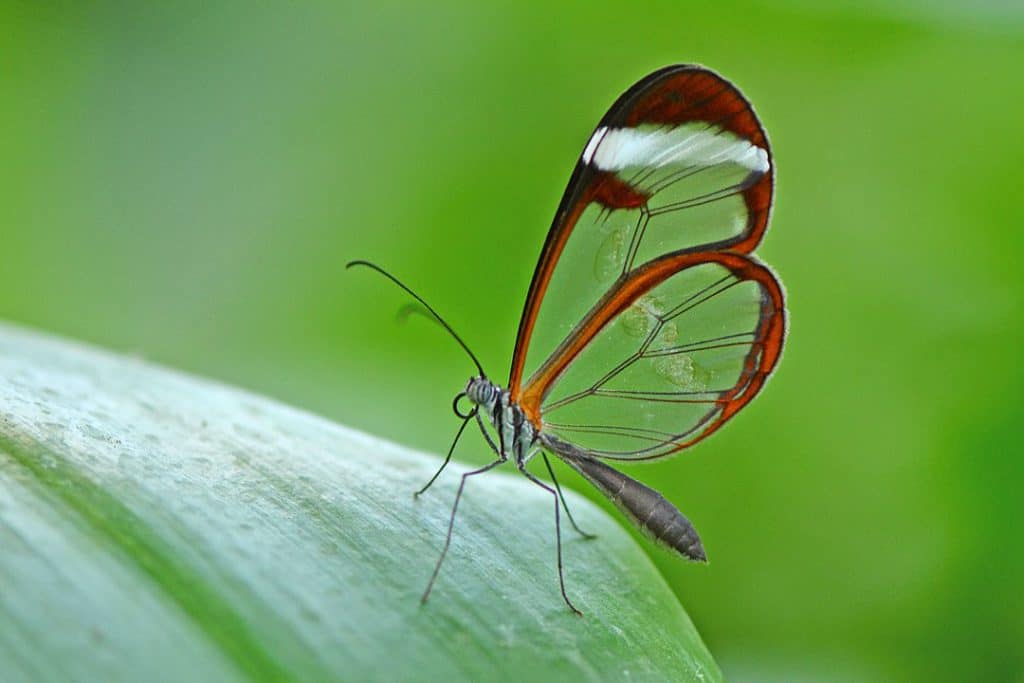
(558, 488)
(490, 441)
(451, 524)
(462, 427)
(558, 533)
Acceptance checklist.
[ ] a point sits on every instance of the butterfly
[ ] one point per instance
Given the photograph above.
(648, 323)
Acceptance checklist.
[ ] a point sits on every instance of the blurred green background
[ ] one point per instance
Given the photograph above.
(186, 181)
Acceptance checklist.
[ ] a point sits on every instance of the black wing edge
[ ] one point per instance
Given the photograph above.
(645, 507)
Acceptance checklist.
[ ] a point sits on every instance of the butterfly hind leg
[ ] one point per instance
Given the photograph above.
(521, 463)
(451, 525)
(551, 472)
(554, 480)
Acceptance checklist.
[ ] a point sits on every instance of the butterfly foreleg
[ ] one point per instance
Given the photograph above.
(490, 440)
(451, 524)
(447, 459)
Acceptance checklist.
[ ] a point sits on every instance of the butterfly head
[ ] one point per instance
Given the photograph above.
(481, 391)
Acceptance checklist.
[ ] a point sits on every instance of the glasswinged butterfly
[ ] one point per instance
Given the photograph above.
(648, 323)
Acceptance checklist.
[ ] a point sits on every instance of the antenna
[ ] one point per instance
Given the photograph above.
(430, 308)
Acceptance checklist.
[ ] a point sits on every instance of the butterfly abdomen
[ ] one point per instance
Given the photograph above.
(647, 508)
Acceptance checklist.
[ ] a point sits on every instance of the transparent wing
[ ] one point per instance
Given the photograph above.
(665, 359)
(678, 164)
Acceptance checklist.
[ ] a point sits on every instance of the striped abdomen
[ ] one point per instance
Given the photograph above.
(647, 508)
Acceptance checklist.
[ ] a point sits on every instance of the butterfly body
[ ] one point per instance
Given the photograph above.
(648, 323)
(517, 435)
(650, 511)
(519, 438)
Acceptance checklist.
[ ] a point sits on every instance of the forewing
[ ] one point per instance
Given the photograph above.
(679, 163)
(663, 360)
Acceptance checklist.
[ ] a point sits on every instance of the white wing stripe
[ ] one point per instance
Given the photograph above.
(614, 149)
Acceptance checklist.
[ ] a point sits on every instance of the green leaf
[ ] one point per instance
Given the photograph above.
(154, 526)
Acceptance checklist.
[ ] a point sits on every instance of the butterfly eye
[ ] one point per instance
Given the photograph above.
(479, 391)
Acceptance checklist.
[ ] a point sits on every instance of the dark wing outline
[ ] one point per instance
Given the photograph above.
(766, 347)
(672, 95)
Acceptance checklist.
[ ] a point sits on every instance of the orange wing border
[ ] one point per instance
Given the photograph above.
(671, 95)
(766, 349)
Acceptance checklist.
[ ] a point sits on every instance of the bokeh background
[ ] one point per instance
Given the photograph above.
(185, 181)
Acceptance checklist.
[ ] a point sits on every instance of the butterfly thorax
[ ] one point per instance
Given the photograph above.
(516, 434)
